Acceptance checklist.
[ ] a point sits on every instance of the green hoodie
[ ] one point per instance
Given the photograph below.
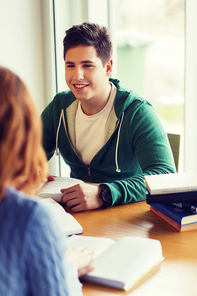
(135, 144)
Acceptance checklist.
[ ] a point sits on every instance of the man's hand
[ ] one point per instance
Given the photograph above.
(82, 258)
(82, 197)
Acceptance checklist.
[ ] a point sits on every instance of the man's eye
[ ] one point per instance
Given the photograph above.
(87, 65)
(69, 66)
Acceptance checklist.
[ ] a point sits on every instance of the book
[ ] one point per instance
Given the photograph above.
(190, 206)
(177, 226)
(179, 215)
(177, 197)
(68, 223)
(171, 183)
(52, 188)
(120, 264)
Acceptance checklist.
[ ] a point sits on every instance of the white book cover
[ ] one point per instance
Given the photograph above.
(171, 183)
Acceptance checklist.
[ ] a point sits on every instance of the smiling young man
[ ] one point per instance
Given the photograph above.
(105, 133)
(88, 78)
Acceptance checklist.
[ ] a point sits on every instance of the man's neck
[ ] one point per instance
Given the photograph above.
(95, 105)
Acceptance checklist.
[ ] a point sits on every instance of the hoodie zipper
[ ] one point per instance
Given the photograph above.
(88, 166)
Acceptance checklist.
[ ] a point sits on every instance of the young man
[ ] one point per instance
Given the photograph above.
(106, 134)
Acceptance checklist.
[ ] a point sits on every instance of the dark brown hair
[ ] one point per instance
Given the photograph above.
(90, 34)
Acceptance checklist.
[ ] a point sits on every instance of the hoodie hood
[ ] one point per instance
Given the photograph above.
(125, 97)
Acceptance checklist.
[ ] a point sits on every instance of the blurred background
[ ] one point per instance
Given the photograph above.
(150, 54)
(155, 45)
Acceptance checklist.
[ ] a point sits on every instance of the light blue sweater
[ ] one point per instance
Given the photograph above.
(32, 250)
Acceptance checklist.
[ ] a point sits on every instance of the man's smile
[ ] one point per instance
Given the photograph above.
(80, 86)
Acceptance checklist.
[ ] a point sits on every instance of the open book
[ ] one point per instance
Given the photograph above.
(68, 223)
(52, 188)
(120, 264)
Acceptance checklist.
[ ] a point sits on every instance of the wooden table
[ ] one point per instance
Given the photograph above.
(177, 274)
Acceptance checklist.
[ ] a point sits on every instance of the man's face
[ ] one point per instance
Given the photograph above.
(85, 74)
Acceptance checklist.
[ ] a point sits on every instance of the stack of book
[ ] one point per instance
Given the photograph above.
(173, 197)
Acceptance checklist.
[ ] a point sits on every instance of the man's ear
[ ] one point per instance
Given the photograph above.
(109, 66)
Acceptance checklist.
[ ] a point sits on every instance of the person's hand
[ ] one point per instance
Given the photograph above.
(50, 178)
(82, 197)
(82, 258)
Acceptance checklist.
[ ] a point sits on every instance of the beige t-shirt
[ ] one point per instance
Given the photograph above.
(90, 130)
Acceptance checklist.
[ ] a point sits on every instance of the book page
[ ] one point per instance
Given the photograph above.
(127, 261)
(98, 244)
(52, 188)
(68, 223)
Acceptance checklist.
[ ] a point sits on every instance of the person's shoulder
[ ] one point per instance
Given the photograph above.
(27, 217)
(17, 206)
(30, 208)
(18, 199)
(64, 98)
(128, 98)
(27, 205)
(129, 95)
(62, 94)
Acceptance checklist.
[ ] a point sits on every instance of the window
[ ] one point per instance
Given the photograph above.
(152, 35)
(150, 55)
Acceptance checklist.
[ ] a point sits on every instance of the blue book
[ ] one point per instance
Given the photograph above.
(190, 206)
(178, 214)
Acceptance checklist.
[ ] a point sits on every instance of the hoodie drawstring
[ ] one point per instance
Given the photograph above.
(117, 142)
(57, 134)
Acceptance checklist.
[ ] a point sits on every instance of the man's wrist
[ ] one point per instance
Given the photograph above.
(105, 195)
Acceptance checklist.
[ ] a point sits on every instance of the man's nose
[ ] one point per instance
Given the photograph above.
(79, 74)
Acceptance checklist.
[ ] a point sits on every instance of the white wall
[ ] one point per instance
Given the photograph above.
(21, 43)
(27, 48)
